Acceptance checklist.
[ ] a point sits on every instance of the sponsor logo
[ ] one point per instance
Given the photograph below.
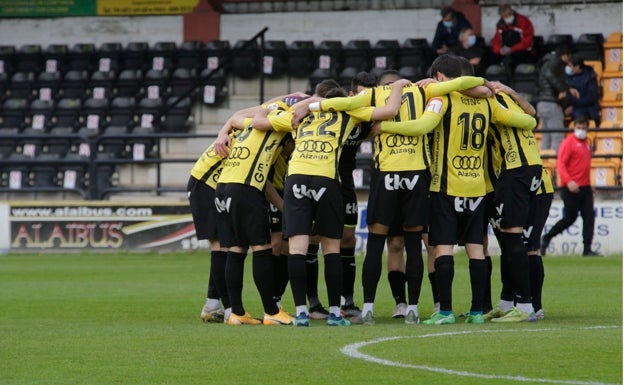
(315, 146)
(400, 140)
(395, 182)
(303, 191)
(223, 206)
(239, 153)
(467, 204)
(467, 162)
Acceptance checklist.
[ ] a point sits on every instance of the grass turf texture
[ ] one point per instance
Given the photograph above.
(134, 319)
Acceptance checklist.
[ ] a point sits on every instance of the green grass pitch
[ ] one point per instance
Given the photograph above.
(134, 319)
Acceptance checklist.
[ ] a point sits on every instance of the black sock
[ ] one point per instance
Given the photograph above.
(396, 279)
(218, 259)
(297, 278)
(333, 278)
(348, 273)
(445, 271)
(371, 269)
(312, 270)
(513, 247)
(280, 272)
(234, 269)
(264, 279)
(487, 291)
(507, 290)
(537, 280)
(414, 267)
(434, 287)
(478, 271)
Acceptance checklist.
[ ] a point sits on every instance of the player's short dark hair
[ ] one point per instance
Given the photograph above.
(467, 69)
(388, 76)
(335, 93)
(324, 86)
(364, 79)
(448, 65)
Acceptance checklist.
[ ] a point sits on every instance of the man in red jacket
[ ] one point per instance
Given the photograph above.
(573, 167)
(513, 40)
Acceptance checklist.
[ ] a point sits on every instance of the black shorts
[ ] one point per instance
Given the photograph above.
(399, 198)
(275, 216)
(349, 200)
(312, 200)
(538, 214)
(456, 220)
(201, 199)
(514, 192)
(243, 215)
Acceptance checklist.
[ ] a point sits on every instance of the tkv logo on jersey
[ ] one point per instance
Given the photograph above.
(469, 204)
(303, 191)
(395, 182)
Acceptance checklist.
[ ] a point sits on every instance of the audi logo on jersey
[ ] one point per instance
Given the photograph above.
(315, 146)
(400, 140)
(239, 153)
(467, 162)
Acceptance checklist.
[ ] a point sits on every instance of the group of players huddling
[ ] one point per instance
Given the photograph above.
(451, 153)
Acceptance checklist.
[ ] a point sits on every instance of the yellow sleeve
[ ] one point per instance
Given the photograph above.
(363, 114)
(363, 99)
(458, 84)
(510, 118)
(421, 126)
(280, 120)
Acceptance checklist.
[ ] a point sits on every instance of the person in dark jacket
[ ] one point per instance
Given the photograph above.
(552, 93)
(447, 32)
(583, 79)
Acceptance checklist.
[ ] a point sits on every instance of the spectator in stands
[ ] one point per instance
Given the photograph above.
(513, 40)
(472, 51)
(583, 79)
(551, 94)
(447, 32)
(573, 168)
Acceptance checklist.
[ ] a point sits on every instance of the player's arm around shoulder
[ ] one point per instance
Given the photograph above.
(503, 115)
(275, 120)
(423, 125)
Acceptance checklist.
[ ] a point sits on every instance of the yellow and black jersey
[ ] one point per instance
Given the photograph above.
(251, 157)
(278, 172)
(490, 173)
(459, 124)
(515, 148)
(209, 165)
(319, 140)
(547, 184)
(392, 151)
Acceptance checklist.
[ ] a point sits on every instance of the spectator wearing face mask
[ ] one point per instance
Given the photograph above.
(513, 40)
(582, 78)
(447, 32)
(469, 49)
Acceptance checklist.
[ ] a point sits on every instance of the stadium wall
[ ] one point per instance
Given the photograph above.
(345, 25)
(112, 226)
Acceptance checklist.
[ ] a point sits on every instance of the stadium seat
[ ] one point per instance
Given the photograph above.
(176, 118)
(82, 57)
(67, 112)
(134, 56)
(317, 76)
(613, 53)
(102, 85)
(603, 173)
(44, 173)
(525, 81)
(75, 84)
(128, 83)
(108, 57)
(597, 66)
(94, 112)
(155, 83)
(110, 146)
(274, 62)
(122, 112)
(58, 141)
(356, 54)
(7, 59)
(162, 55)
(39, 115)
(213, 88)
(31, 142)
(28, 58)
(54, 58)
(214, 54)
(14, 112)
(589, 46)
(73, 175)
(188, 55)
(330, 56)
(104, 178)
(47, 85)
(141, 146)
(607, 143)
(611, 88)
(8, 145)
(412, 73)
(245, 62)
(498, 73)
(384, 53)
(148, 111)
(17, 176)
(301, 58)
(611, 114)
(345, 77)
(415, 53)
(183, 83)
(556, 40)
(21, 85)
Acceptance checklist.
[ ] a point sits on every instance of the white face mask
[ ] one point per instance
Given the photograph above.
(509, 20)
(472, 39)
(580, 133)
(568, 70)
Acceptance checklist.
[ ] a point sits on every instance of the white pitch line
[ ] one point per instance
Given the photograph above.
(353, 350)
